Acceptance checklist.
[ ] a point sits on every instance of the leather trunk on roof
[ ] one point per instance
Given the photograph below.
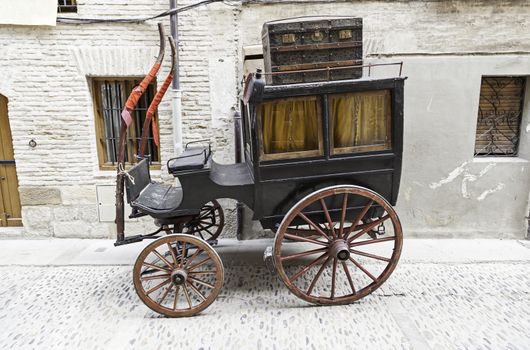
(296, 47)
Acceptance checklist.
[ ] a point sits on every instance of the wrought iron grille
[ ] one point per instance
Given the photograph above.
(66, 6)
(110, 97)
(499, 116)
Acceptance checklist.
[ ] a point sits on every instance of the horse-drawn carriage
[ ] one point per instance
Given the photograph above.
(321, 169)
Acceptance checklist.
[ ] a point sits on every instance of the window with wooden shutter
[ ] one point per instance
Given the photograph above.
(499, 116)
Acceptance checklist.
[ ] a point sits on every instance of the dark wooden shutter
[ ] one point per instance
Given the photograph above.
(499, 116)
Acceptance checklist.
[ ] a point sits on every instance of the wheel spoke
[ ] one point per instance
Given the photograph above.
(158, 286)
(162, 258)
(328, 218)
(347, 272)
(197, 292)
(203, 273)
(362, 269)
(304, 239)
(368, 255)
(177, 290)
(172, 254)
(202, 262)
(333, 276)
(358, 218)
(210, 232)
(198, 229)
(302, 254)
(372, 241)
(182, 254)
(368, 228)
(156, 267)
(315, 226)
(312, 285)
(197, 252)
(305, 269)
(343, 214)
(165, 294)
(155, 277)
(202, 282)
(187, 294)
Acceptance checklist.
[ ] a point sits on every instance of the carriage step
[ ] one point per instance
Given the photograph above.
(268, 259)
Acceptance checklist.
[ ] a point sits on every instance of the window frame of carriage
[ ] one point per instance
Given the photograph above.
(327, 151)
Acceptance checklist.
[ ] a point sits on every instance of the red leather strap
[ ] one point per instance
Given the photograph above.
(159, 95)
(139, 90)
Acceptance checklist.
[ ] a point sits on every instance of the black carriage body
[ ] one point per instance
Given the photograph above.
(281, 183)
(271, 185)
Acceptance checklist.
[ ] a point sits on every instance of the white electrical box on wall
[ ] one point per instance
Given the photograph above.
(106, 196)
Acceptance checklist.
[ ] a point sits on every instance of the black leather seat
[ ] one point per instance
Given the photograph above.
(193, 158)
(159, 200)
(155, 199)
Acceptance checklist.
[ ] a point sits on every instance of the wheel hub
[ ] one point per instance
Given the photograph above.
(178, 277)
(340, 250)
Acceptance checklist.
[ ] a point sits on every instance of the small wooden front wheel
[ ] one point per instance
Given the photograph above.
(354, 246)
(178, 275)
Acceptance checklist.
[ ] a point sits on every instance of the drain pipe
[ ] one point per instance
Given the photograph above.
(175, 86)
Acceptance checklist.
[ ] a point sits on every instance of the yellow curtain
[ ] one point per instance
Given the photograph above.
(290, 125)
(360, 119)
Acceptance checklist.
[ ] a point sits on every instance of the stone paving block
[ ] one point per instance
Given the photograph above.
(472, 306)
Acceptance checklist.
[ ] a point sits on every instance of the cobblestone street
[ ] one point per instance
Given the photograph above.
(445, 294)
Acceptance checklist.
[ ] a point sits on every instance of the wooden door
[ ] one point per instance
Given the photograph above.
(10, 213)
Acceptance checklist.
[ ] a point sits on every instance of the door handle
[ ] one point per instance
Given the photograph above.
(2, 178)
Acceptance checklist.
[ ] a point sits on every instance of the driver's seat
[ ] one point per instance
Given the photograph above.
(152, 198)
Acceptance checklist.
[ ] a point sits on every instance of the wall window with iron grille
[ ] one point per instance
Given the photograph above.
(65, 6)
(499, 116)
(109, 98)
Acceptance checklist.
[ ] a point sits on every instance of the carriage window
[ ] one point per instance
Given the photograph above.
(360, 122)
(291, 128)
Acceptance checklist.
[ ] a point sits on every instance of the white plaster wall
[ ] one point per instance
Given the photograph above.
(446, 47)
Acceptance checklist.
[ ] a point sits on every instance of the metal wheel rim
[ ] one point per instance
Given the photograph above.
(190, 289)
(316, 196)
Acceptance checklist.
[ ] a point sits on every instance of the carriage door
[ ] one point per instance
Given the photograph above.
(9, 199)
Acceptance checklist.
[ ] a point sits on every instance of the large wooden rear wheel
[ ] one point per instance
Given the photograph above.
(356, 248)
(178, 275)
